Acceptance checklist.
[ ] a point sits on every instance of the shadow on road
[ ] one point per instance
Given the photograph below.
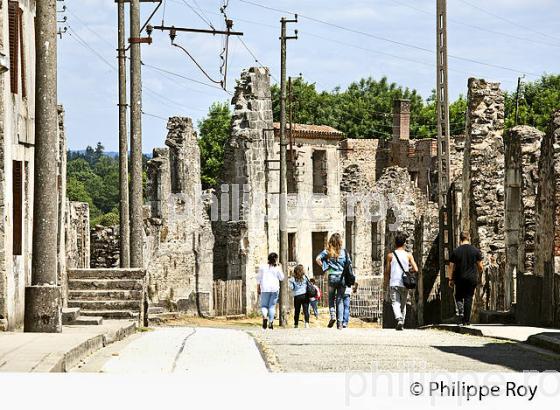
(511, 355)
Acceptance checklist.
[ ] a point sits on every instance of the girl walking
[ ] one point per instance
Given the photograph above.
(333, 260)
(268, 286)
(298, 285)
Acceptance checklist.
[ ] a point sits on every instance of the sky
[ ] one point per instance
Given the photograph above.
(340, 41)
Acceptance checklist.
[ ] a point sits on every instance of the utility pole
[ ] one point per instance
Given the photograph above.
(517, 95)
(283, 212)
(136, 192)
(43, 299)
(443, 140)
(124, 231)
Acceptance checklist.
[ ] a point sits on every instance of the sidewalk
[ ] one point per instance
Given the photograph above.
(537, 336)
(58, 352)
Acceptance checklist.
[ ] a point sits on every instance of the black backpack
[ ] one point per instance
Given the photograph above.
(347, 272)
(311, 291)
(409, 279)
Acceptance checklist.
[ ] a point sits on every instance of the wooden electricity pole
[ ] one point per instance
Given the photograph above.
(43, 299)
(443, 144)
(124, 231)
(283, 212)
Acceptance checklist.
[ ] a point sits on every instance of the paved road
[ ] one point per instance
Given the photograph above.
(184, 349)
(228, 351)
(331, 350)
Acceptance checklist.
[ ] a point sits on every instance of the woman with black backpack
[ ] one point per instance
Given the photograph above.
(298, 285)
(336, 263)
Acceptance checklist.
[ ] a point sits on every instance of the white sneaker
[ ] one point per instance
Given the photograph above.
(306, 325)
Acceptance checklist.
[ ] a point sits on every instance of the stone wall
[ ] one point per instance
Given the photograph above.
(522, 152)
(105, 248)
(243, 234)
(483, 189)
(547, 258)
(179, 239)
(77, 235)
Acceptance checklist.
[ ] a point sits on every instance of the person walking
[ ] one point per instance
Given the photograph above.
(465, 267)
(298, 285)
(346, 302)
(268, 286)
(314, 301)
(332, 261)
(397, 264)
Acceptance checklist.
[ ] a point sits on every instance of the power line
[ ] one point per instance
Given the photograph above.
(85, 44)
(410, 6)
(163, 70)
(508, 20)
(86, 26)
(198, 14)
(256, 59)
(155, 116)
(400, 43)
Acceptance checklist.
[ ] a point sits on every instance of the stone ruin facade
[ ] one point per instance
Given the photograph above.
(501, 191)
(179, 239)
(243, 225)
(105, 247)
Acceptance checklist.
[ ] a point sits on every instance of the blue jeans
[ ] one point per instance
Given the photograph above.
(346, 315)
(313, 304)
(268, 304)
(336, 296)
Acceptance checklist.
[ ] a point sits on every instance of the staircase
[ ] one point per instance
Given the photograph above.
(108, 293)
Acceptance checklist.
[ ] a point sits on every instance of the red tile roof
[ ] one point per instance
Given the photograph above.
(312, 131)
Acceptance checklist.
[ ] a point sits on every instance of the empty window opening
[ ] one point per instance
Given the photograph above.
(17, 193)
(319, 159)
(292, 247)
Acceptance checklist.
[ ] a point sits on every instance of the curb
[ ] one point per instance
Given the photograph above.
(456, 329)
(545, 342)
(80, 352)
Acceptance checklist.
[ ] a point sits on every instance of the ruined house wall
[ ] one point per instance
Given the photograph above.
(547, 255)
(77, 238)
(308, 211)
(16, 140)
(242, 233)
(104, 247)
(358, 176)
(522, 152)
(483, 189)
(179, 239)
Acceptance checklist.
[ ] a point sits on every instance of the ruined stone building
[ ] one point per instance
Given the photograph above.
(17, 45)
(179, 239)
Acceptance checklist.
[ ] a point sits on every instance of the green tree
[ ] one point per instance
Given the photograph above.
(538, 101)
(214, 131)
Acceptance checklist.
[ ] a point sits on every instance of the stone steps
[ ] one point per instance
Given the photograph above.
(73, 316)
(106, 274)
(95, 294)
(104, 284)
(107, 293)
(112, 314)
(104, 304)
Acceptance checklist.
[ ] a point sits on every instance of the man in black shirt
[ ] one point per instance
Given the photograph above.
(465, 267)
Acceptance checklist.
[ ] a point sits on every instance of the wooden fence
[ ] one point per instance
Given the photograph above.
(228, 297)
(366, 303)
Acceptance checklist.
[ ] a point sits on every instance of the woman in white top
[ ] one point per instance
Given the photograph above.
(393, 280)
(268, 286)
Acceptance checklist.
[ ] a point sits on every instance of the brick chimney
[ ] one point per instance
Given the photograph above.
(401, 120)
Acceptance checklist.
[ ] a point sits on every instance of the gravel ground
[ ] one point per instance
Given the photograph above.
(331, 350)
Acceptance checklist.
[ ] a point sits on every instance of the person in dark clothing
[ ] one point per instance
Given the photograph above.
(465, 267)
(298, 285)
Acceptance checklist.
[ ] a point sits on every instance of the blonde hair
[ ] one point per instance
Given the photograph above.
(299, 271)
(334, 245)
